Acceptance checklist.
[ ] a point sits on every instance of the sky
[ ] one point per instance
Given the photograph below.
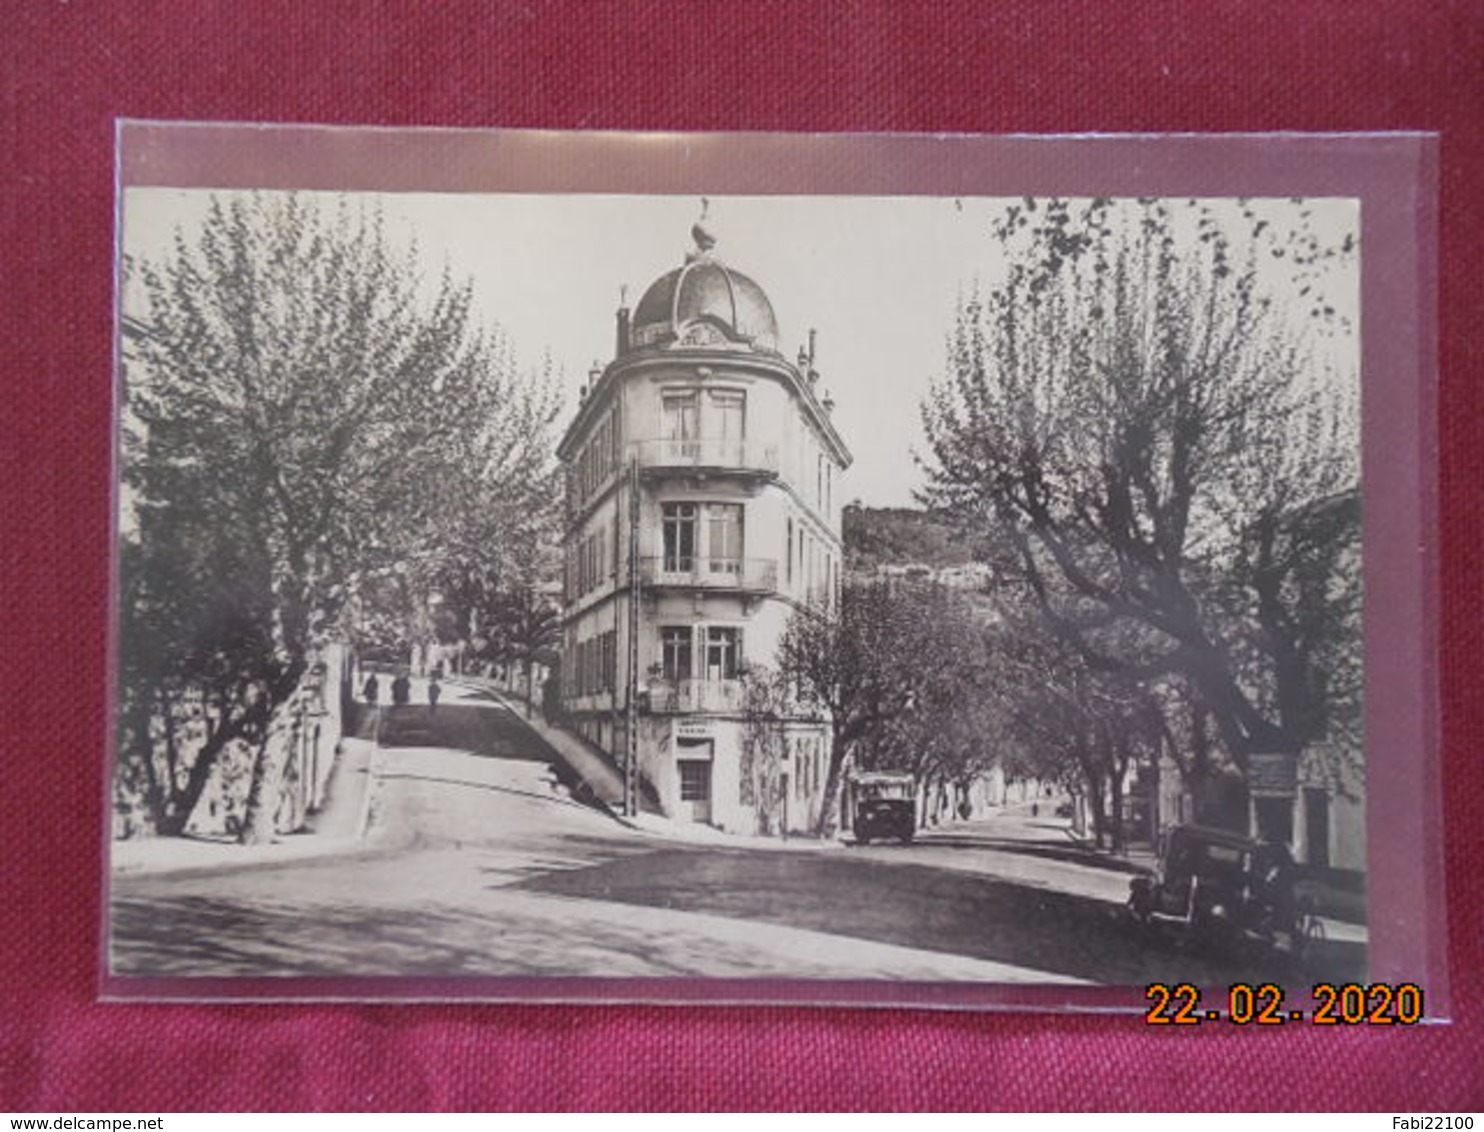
(878, 279)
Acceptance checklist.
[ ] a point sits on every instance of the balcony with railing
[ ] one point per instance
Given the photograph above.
(680, 697)
(704, 454)
(744, 575)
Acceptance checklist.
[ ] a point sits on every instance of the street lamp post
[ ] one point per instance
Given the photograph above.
(631, 694)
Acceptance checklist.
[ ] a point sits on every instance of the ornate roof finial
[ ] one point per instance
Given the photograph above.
(701, 234)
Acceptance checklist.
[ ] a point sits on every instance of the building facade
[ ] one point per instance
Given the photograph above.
(703, 508)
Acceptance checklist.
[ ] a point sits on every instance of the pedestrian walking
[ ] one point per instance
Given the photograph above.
(401, 690)
(371, 689)
(434, 691)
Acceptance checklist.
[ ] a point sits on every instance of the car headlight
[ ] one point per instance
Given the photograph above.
(1219, 911)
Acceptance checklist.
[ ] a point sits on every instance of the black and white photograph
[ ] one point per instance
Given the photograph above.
(942, 590)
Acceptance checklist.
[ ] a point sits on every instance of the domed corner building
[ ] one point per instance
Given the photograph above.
(702, 510)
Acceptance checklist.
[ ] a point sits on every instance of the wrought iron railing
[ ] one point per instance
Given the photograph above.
(757, 575)
(683, 696)
(707, 453)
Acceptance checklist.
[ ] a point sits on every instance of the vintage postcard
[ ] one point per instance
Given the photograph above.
(886, 570)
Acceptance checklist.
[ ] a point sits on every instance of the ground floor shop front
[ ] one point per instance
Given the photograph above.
(724, 770)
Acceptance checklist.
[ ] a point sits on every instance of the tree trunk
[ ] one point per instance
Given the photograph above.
(269, 763)
(1156, 799)
(136, 777)
(1097, 809)
(182, 803)
(829, 804)
(1242, 727)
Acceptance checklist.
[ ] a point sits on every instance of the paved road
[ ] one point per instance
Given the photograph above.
(479, 862)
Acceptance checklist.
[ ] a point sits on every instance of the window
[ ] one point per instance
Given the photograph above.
(598, 458)
(695, 780)
(588, 681)
(680, 536)
(727, 412)
(675, 652)
(591, 561)
(680, 425)
(724, 537)
(608, 644)
(723, 644)
(788, 552)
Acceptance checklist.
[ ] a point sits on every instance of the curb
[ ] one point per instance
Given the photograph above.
(373, 759)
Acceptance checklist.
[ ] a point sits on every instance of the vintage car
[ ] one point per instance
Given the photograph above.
(883, 805)
(1219, 890)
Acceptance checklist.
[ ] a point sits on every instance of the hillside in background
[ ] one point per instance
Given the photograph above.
(899, 536)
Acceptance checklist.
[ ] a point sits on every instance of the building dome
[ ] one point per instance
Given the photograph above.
(705, 303)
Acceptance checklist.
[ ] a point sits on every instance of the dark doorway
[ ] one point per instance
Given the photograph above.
(1274, 819)
(1316, 827)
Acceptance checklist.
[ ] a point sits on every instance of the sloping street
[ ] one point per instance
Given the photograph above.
(476, 860)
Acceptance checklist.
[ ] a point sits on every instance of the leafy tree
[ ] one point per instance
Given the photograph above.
(1138, 428)
(1071, 723)
(302, 404)
(866, 664)
(500, 530)
(953, 729)
(524, 623)
(768, 706)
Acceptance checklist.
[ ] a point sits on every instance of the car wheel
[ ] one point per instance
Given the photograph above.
(1136, 915)
(863, 839)
(1218, 937)
(1308, 935)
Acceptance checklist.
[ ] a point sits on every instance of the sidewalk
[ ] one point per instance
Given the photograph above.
(602, 779)
(338, 826)
(1342, 916)
(606, 783)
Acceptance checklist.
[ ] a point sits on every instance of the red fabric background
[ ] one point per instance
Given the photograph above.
(69, 69)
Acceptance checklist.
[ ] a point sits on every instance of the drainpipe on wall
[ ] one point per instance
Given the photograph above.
(631, 691)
